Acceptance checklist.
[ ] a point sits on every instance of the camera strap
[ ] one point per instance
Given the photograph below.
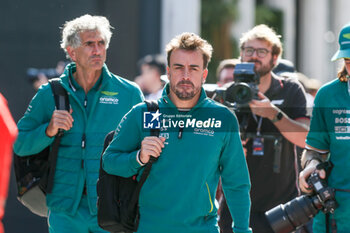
(332, 224)
(258, 145)
(258, 140)
(327, 166)
(259, 122)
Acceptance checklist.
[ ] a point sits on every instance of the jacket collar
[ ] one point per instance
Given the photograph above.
(67, 77)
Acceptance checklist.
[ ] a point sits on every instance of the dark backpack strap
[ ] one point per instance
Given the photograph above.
(152, 106)
(62, 103)
(60, 94)
(106, 142)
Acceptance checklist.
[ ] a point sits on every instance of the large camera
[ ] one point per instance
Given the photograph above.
(33, 73)
(297, 212)
(239, 93)
(245, 87)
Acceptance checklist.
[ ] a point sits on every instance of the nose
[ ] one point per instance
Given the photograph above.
(255, 54)
(96, 49)
(186, 74)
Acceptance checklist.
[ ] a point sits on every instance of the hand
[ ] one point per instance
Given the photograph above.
(304, 175)
(151, 146)
(263, 107)
(244, 144)
(61, 119)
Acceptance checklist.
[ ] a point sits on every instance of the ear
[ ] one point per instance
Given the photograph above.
(275, 59)
(71, 53)
(205, 74)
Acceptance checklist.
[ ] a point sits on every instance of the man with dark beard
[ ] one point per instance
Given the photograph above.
(276, 123)
(200, 145)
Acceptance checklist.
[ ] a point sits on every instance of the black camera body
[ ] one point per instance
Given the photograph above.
(237, 94)
(33, 73)
(245, 87)
(297, 212)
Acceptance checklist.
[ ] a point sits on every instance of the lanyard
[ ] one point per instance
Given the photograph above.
(258, 128)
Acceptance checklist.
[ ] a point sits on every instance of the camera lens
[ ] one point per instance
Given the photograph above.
(240, 93)
(295, 213)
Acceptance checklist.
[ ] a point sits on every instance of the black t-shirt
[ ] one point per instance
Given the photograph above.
(273, 174)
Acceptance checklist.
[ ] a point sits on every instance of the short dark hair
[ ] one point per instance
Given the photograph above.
(157, 61)
(284, 65)
(227, 63)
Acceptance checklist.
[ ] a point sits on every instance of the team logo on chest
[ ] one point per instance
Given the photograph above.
(108, 97)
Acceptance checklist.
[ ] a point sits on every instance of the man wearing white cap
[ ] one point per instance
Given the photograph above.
(329, 140)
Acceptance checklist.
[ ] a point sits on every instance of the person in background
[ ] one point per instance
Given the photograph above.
(152, 67)
(276, 123)
(328, 140)
(8, 134)
(311, 87)
(224, 72)
(178, 195)
(284, 65)
(38, 77)
(98, 100)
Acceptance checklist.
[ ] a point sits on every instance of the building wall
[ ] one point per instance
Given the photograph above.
(179, 16)
(289, 37)
(246, 18)
(314, 48)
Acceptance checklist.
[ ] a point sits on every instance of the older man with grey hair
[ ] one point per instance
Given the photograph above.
(98, 101)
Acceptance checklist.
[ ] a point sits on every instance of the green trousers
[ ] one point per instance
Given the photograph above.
(81, 222)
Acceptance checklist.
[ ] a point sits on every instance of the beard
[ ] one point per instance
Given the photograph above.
(264, 69)
(185, 93)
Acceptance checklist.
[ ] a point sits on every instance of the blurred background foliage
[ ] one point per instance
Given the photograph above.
(216, 22)
(217, 18)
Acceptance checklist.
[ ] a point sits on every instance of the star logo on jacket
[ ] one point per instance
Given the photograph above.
(151, 120)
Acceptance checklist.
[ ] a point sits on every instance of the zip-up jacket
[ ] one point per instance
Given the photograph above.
(95, 114)
(201, 145)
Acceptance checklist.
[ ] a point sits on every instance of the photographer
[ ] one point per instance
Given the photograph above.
(275, 123)
(329, 139)
(38, 77)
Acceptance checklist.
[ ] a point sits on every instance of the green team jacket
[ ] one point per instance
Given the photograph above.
(178, 195)
(330, 131)
(80, 149)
